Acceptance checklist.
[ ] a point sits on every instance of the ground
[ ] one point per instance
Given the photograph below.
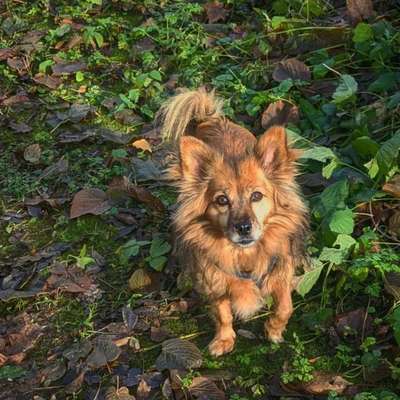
(93, 303)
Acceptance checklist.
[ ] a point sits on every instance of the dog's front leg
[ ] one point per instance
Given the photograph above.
(224, 339)
(275, 326)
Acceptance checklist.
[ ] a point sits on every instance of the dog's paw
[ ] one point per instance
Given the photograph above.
(221, 346)
(274, 335)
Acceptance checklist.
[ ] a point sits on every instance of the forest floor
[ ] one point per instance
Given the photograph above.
(92, 304)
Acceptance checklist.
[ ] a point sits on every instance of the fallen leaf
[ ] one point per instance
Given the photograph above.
(104, 352)
(279, 113)
(19, 127)
(78, 351)
(129, 317)
(139, 280)
(122, 185)
(52, 202)
(67, 67)
(215, 12)
(89, 201)
(392, 284)
(75, 137)
(114, 137)
(21, 335)
(70, 279)
(393, 186)
(394, 224)
(179, 354)
(146, 170)
(121, 393)
(32, 153)
(360, 9)
(322, 383)
(354, 324)
(60, 167)
(6, 53)
(18, 64)
(16, 99)
(53, 372)
(76, 384)
(142, 144)
(292, 68)
(52, 82)
(204, 388)
(158, 334)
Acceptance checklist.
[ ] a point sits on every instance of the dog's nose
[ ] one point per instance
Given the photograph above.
(243, 228)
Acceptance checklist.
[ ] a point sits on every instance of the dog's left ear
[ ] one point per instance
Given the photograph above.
(272, 149)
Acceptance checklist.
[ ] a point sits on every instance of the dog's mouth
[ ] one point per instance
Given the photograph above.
(245, 242)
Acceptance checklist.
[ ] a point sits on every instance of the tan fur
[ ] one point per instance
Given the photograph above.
(217, 157)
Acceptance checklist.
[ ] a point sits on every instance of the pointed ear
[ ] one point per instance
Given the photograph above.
(271, 148)
(195, 157)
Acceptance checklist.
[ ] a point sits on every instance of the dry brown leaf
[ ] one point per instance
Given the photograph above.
(205, 388)
(121, 393)
(122, 185)
(393, 186)
(104, 351)
(279, 113)
(322, 384)
(67, 67)
(215, 12)
(142, 144)
(89, 201)
(139, 280)
(6, 53)
(292, 68)
(70, 279)
(52, 82)
(32, 153)
(143, 390)
(360, 9)
(18, 64)
(16, 99)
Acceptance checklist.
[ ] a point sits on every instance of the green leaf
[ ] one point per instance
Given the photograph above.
(345, 242)
(158, 263)
(334, 195)
(330, 168)
(79, 76)
(159, 247)
(319, 153)
(362, 33)
(62, 30)
(388, 153)
(342, 221)
(347, 89)
(365, 146)
(309, 278)
(384, 83)
(119, 153)
(155, 75)
(11, 372)
(44, 65)
(330, 254)
(98, 37)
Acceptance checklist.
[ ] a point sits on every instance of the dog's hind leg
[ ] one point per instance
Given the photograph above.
(274, 326)
(224, 339)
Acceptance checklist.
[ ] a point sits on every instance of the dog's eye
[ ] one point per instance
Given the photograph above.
(256, 196)
(222, 200)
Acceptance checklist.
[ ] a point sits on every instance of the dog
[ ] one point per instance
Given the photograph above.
(240, 223)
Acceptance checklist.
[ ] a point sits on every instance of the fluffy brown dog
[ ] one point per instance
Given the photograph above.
(240, 223)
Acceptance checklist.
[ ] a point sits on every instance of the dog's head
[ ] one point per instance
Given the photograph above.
(237, 195)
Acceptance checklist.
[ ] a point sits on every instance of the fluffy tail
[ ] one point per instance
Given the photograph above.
(190, 106)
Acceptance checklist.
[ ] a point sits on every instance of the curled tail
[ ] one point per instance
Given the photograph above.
(190, 106)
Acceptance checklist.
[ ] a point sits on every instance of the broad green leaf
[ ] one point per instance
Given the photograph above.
(332, 255)
(384, 82)
(119, 153)
(345, 242)
(159, 247)
(44, 65)
(155, 75)
(158, 263)
(79, 76)
(342, 221)
(330, 168)
(365, 146)
(362, 33)
(309, 278)
(347, 89)
(387, 154)
(319, 153)
(334, 195)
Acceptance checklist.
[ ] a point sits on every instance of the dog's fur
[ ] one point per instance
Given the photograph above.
(220, 166)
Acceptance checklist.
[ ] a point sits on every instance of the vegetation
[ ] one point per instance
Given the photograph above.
(90, 292)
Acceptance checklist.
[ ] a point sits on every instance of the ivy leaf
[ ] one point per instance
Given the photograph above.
(333, 196)
(159, 247)
(158, 263)
(347, 89)
(309, 278)
(342, 221)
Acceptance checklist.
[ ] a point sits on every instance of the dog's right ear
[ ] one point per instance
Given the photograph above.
(195, 158)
